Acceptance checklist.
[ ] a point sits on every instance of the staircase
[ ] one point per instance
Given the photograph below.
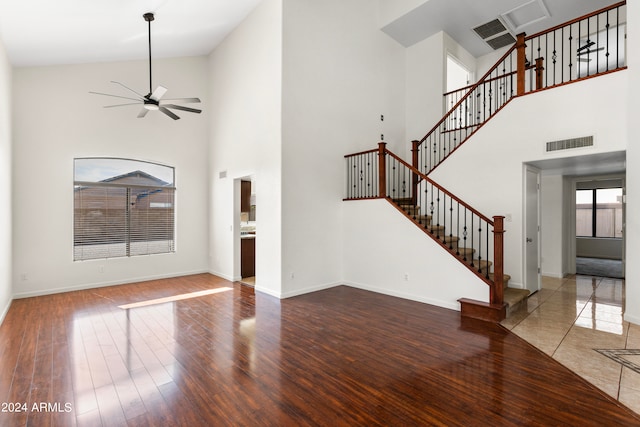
(513, 298)
(582, 48)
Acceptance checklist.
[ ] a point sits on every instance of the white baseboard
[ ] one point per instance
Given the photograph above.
(554, 275)
(295, 293)
(224, 276)
(4, 312)
(632, 319)
(411, 297)
(103, 284)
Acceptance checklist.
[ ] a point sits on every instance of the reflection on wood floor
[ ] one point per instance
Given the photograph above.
(201, 355)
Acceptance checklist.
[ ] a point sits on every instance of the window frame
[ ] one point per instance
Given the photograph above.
(594, 212)
(135, 221)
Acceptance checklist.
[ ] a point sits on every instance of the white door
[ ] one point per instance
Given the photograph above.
(532, 276)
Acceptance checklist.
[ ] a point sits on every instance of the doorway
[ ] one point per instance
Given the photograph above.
(532, 272)
(247, 230)
(599, 231)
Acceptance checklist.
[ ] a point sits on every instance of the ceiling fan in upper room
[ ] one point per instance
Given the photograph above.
(586, 49)
(153, 100)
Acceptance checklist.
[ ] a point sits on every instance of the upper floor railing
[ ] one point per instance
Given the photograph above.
(585, 47)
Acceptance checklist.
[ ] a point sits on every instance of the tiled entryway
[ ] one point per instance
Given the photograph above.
(571, 319)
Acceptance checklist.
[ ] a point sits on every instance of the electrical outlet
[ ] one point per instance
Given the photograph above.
(101, 269)
(406, 277)
(292, 275)
(24, 277)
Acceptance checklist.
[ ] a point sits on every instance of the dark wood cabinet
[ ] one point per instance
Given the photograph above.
(245, 196)
(248, 257)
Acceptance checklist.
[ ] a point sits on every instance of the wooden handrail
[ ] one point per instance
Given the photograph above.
(478, 83)
(575, 21)
(375, 150)
(439, 187)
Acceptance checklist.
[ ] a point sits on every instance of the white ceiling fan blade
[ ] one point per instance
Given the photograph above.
(128, 88)
(158, 93)
(121, 105)
(115, 96)
(142, 113)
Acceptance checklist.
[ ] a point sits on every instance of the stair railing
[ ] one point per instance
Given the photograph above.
(473, 238)
(585, 47)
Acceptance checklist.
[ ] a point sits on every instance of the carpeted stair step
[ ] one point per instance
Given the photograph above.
(505, 279)
(481, 264)
(514, 298)
(403, 201)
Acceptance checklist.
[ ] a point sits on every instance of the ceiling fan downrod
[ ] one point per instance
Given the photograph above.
(149, 17)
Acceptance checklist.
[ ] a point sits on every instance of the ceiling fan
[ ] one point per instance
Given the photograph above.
(586, 50)
(153, 100)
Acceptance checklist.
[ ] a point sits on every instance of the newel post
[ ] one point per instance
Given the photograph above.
(415, 149)
(521, 63)
(382, 169)
(497, 293)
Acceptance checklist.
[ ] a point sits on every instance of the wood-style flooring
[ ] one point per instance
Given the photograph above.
(222, 354)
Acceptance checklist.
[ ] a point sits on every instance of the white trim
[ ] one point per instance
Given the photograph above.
(384, 291)
(224, 276)
(105, 284)
(5, 311)
(632, 319)
(529, 168)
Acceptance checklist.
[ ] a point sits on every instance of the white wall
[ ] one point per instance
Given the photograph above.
(424, 88)
(340, 73)
(245, 74)
(632, 311)
(552, 224)
(382, 247)
(5, 183)
(517, 135)
(390, 10)
(55, 119)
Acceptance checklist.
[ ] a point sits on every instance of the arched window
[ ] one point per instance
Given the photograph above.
(122, 208)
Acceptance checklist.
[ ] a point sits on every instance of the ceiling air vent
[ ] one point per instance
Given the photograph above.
(495, 34)
(568, 144)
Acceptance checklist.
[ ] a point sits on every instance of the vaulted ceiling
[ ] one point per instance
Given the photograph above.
(42, 32)
(458, 18)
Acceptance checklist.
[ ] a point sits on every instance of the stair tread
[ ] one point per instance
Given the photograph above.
(513, 296)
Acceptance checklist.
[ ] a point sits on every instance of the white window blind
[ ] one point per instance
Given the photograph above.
(128, 214)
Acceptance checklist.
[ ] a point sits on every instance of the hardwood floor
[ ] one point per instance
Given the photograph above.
(234, 357)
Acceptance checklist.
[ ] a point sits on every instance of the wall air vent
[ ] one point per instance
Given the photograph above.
(495, 34)
(569, 144)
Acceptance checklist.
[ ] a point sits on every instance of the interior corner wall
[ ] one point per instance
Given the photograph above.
(340, 74)
(552, 225)
(389, 11)
(6, 290)
(245, 75)
(632, 228)
(425, 79)
(56, 119)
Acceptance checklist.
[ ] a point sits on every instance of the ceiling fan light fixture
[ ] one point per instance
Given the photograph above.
(152, 101)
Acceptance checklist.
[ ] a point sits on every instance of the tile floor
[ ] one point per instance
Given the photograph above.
(571, 318)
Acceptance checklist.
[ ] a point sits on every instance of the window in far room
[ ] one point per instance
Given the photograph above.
(122, 208)
(603, 221)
